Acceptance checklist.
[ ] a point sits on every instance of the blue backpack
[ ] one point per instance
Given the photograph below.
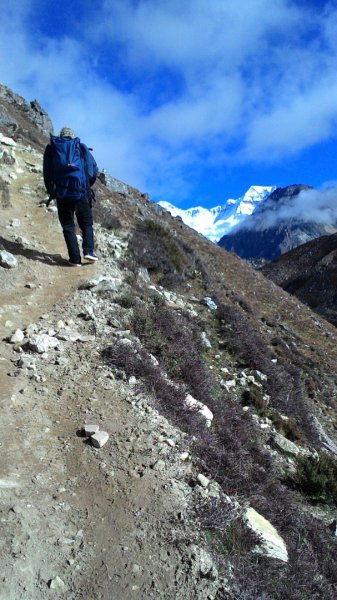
(73, 168)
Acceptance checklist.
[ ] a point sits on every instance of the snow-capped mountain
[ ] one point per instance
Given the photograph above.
(216, 222)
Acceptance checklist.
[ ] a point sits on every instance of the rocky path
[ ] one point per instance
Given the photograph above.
(76, 521)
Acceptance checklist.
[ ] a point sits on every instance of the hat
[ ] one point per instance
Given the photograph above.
(67, 133)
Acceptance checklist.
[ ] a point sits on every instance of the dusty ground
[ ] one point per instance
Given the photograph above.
(77, 522)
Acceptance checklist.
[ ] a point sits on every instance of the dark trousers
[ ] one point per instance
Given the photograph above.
(67, 209)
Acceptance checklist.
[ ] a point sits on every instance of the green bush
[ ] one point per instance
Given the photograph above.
(316, 477)
(254, 397)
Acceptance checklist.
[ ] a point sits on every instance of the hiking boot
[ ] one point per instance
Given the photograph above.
(91, 257)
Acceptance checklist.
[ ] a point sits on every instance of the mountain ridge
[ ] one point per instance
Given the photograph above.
(277, 227)
(216, 221)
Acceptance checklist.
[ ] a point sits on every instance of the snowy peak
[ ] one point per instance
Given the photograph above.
(215, 222)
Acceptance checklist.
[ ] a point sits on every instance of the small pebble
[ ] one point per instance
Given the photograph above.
(184, 456)
(204, 481)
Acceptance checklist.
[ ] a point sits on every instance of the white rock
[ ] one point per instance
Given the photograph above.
(261, 376)
(7, 260)
(68, 335)
(204, 481)
(205, 341)
(184, 456)
(42, 343)
(17, 337)
(57, 584)
(272, 544)
(15, 222)
(209, 303)
(6, 141)
(229, 384)
(90, 429)
(204, 564)
(99, 439)
(203, 410)
(288, 446)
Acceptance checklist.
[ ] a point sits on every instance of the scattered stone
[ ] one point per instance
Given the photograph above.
(204, 564)
(205, 341)
(261, 376)
(132, 381)
(202, 409)
(90, 283)
(136, 569)
(27, 362)
(99, 439)
(14, 222)
(207, 301)
(86, 338)
(56, 583)
(67, 335)
(204, 481)
(90, 429)
(22, 241)
(30, 286)
(17, 509)
(229, 384)
(7, 260)
(288, 446)
(106, 286)
(43, 342)
(159, 465)
(6, 141)
(184, 456)
(272, 545)
(143, 275)
(9, 324)
(17, 337)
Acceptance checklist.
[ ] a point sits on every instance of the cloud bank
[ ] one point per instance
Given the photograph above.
(160, 89)
(309, 206)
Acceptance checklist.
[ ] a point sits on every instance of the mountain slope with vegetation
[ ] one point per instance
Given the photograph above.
(310, 273)
(217, 388)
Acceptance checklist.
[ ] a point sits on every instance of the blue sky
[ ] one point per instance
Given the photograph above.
(191, 101)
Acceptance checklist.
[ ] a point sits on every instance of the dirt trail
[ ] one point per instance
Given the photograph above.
(77, 522)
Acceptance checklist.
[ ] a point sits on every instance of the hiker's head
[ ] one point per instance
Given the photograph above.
(67, 133)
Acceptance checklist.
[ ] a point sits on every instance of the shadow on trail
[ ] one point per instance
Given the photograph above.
(53, 260)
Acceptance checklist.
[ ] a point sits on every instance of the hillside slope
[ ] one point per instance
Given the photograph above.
(310, 273)
(212, 382)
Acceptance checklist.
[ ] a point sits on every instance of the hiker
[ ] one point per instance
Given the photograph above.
(69, 171)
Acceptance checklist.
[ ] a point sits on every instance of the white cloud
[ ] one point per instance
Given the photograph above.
(185, 82)
(313, 206)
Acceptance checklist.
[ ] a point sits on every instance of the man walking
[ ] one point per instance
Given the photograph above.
(69, 171)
